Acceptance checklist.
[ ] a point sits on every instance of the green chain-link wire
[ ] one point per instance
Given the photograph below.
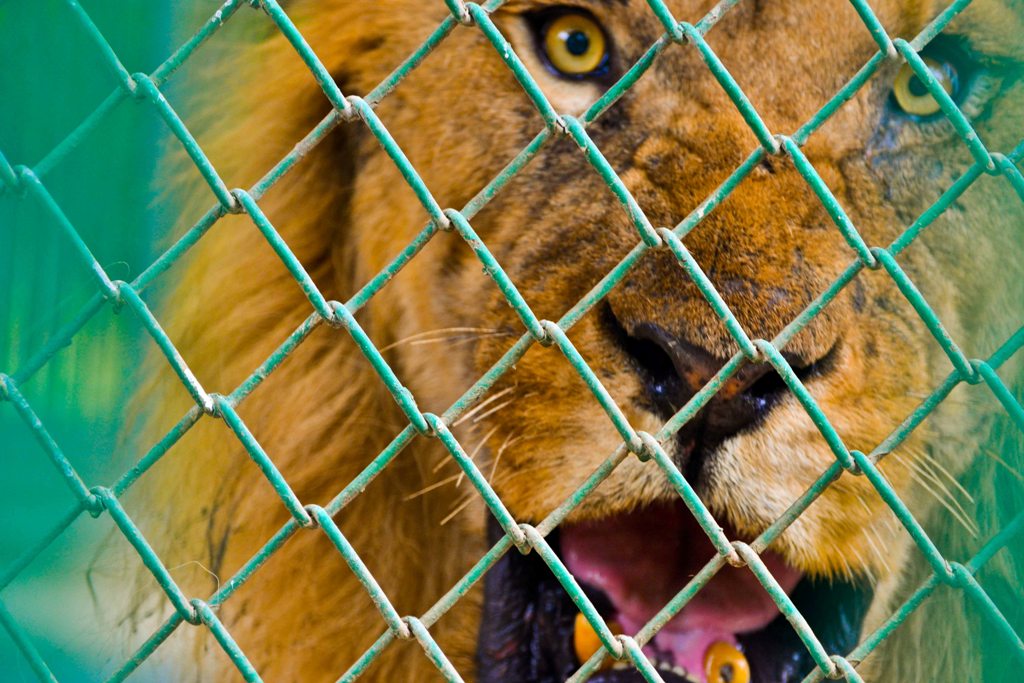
(29, 183)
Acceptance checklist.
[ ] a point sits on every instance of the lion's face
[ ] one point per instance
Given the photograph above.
(770, 247)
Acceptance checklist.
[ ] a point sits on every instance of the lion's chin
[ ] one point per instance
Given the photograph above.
(630, 566)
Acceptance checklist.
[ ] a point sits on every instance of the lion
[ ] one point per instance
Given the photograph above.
(768, 244)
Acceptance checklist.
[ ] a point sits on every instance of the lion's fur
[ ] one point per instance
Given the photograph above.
(345, 212)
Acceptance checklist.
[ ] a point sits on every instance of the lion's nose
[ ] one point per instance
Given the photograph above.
(673, 370)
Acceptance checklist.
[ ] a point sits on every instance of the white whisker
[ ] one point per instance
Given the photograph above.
(949, 502)
(1009, 468)
(462, 506)
(444, 334)
(875, 541)
(919, 468)
(842, 557)
(492, 411)
(453, 341)
(497, 458)
(480, 406)
(472, 456)
(934, 464)
(431, 487)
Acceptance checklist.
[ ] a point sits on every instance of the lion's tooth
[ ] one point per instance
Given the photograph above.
(723, 663)
(585, 641)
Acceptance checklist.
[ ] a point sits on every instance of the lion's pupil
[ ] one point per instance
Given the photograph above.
(917, 87)
(726, 673)
(577, 43)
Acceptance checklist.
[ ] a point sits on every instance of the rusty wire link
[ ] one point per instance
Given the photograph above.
(29, 184)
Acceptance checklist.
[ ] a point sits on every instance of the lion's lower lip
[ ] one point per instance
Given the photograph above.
(527, 625)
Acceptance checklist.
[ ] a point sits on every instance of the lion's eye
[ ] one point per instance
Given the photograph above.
(912, 95)
(575, 45)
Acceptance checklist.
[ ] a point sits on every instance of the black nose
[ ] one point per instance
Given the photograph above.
(673, 370)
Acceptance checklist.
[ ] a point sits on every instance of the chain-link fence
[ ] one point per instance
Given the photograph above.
(29, 184)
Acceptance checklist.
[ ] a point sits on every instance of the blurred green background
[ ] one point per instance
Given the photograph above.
(51, 79)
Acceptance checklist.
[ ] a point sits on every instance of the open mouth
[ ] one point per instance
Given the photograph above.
(630, 566)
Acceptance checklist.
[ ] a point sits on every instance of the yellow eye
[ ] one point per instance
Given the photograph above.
(575, 45)
(912, 95)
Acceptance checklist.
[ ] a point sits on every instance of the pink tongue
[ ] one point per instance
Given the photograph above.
(642, 559)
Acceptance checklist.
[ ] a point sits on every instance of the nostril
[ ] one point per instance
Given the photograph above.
(659, 374)
(652, 362)
(770, 385)
(671, 370)
(767, 388)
